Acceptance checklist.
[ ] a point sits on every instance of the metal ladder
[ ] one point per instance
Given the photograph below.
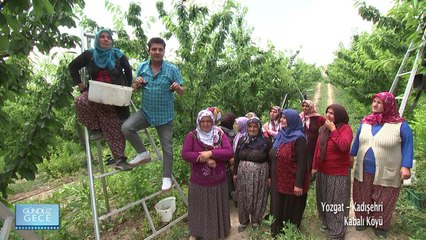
(412, 48)
(104, 174)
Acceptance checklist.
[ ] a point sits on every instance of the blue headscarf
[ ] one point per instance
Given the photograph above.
(293, 131)
(104, 57)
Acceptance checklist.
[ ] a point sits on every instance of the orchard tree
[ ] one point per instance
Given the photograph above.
(369, 65)
(27, 26)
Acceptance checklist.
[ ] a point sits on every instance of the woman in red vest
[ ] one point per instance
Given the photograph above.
(290, 173)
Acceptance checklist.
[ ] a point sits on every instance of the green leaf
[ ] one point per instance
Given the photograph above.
(18, 6)
(4, 43)
(27, 173)
(49, 8)
(12, 22)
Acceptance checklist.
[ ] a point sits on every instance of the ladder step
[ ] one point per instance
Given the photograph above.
(115, 211)
(117, 171)
(402, 74)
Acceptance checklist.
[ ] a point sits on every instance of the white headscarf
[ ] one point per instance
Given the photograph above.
(211, 137)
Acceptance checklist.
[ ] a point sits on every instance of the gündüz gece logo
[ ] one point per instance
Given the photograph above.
(36, 216)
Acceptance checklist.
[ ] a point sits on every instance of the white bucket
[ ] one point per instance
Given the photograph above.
(109, 94)
(165, 208)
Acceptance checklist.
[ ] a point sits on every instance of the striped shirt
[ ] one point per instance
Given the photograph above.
(157, 99)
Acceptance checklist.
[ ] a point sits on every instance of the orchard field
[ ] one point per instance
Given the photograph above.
(42, 154)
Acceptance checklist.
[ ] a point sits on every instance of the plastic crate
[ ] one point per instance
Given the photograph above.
(417, 198)
(109, 94)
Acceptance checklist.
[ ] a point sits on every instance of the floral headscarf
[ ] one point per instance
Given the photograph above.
(208, 138)
(293, 131)
(306, 117)
(390, 113)
(217, 113)
(251, 115)
(105, 57)
(274, 124)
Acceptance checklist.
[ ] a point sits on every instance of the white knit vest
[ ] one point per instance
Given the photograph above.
(386, 145)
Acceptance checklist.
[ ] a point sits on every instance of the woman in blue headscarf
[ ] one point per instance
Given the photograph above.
(290, 175)
(105, 64)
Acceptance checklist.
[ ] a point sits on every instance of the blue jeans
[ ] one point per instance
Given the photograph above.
(136, 122)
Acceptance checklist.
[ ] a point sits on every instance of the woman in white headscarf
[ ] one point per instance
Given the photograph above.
(207, 149)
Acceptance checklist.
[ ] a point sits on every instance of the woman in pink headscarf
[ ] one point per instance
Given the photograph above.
(272, 127)
(312, 121)
(384, 156)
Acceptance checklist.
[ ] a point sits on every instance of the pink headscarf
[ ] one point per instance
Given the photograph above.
(389, 114)
(306, 117)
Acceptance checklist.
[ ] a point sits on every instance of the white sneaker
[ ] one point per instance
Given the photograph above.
(167, 184)
(141, 158)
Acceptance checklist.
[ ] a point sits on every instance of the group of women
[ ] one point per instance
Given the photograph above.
(279, 158)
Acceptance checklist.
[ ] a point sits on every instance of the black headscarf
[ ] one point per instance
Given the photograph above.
(341, 117)
(228, 120)
(254, 142)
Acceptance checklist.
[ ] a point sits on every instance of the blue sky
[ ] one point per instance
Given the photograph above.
(316, 27)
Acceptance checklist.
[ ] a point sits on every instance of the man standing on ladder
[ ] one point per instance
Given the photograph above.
(158, 80)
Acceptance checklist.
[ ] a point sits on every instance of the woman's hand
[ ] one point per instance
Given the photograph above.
(235, 179)
(330, 125)
(268, 182)
(405, 173)
(313, 172)
(265, 128)
(211, 163)
(82, 87)
(204, 156)
(138, 83)
(298, 191)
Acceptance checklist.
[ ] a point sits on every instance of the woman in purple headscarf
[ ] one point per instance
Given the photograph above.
(384, 156)
(241, 127)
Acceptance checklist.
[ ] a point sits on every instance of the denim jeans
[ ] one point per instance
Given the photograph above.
(136, 122)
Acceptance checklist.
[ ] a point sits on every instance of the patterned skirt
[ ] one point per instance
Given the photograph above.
(208, 211)
(333, 199)
(252, 191)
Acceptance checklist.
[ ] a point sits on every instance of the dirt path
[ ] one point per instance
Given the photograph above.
(330, 94)
(317, 94)
(235, 235)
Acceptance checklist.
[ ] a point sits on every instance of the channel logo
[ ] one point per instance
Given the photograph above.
(37, 216)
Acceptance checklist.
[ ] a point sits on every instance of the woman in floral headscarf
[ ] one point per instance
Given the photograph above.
(384, 156)
(207, 149)
(251, 173)
(105, 64)
(272, 127)
(312, 121)
(289, 173)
